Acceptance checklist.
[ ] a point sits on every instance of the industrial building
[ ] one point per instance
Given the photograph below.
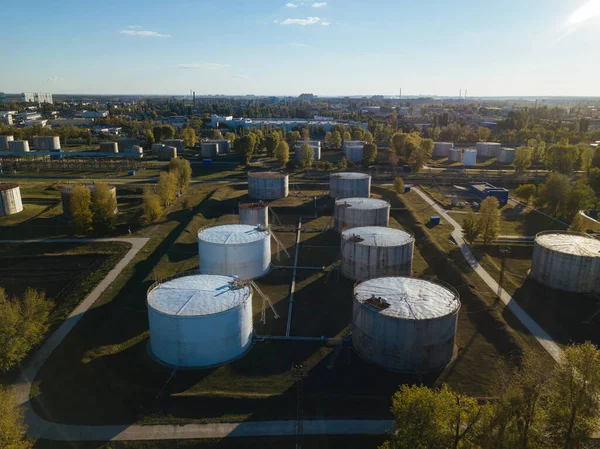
(358, 212)
(46, 143)
(199, 321)
(235, 250)
(268, 185)
(349, 185)
(353, 150)
(4, 142)
(254, 214)
(373, 251)
(288, 123)
(483, 190)
(487, 149)
(10, 199)
(314, 144)
(470, 158)
(506, 155)
(65, 196)
(36, 97)
(454, 155)
(405, 324)
(567, 261)
(441, 149)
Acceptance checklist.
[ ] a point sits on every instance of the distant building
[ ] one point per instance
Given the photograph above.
(37, 97)
(483, 190)
(3, 98)
(288, 123)
(91, 114)
(28, 116)
(6, 117)
(306, 97)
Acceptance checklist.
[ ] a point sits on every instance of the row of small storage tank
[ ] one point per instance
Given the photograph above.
(469, 156)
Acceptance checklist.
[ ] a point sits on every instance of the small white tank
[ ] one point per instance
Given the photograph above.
(506, 155)
(487, 149)
(441, 149)
(268, 185)
(350, 185)
(355, 212)
(235, 250)
(46, 143)
(109, 147)
(209, 149)
(4, 142)
(254, 214)
(372, 251)
(10, 199)
(19, 146)
(454, 155)
(353, 150)
(166, 153)
(470, 158)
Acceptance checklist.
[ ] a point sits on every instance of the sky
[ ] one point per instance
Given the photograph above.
(333, 47)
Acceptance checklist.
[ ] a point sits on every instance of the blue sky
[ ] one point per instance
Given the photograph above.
(333, 47)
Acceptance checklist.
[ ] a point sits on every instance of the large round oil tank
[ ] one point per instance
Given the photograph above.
(268, 185)
(209, 149)
(567, 261)
(506, 155)
(65, 196)
(4, 141)
(109, 147)
(454, 155)
(46, 143)
(199, 321)
(356, 212)
(470, 158)
(10, 199)
(254, 214)
(354, 153)
(166, 153)
(405, 324)
(349, 185)
(373, 251)
(441, 149)
(177, 143)
(235, 250)
(487, 149)
(19, 146)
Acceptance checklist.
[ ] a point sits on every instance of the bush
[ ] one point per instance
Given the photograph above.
(291, 165)
(323, 165)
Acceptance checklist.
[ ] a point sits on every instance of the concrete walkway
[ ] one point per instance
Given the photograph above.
(535, 329)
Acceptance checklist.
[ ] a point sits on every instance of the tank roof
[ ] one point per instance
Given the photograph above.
(409, 298)
(7, 186)
(350, 175)
(362, 203)
(232, 234)
(257, 205)
(378, 236)
(573, 244)
(489, 143)
(266, 174)
(197, 295)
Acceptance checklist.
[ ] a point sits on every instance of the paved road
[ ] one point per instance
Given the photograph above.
(536, 330)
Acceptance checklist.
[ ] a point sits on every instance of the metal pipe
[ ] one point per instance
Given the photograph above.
(293, 286)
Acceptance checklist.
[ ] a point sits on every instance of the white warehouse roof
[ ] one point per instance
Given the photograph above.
(232, 234)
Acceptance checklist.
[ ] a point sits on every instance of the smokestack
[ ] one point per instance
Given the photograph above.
(465, 94)
(460, 94)
(194, 99)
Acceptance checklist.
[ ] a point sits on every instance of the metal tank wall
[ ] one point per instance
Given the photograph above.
(166, 153)
(362, 261)
(349, 185)
(208, 149)
(126, 143)
(298, 153)
(268, 186)
(177, 143)
(561, 271)
(46, 143)
(4, 141)
(441, 149)
(355, 212)
(487, 149)
(454, 155)
(135, 149)
(353, 153)
(10, 199)
(403, 345)
(470, 158)
(245, 260)
(19, 146)
(506, 155)
(254, 214)
(109, 147)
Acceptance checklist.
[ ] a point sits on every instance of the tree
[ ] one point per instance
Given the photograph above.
(282, 153)
(553, 194)
(369, 154)
(230, 136)
(579, 197)
(343, 163)
(585, 157)
(245, 147)
(368, 137)
(470, 228)
(525, 192)
(103, 205)
(182, 170)
(152, 208)
(483, 134)
(336, 140)
(163, 132)
(561, 158)
(573, 405)
(538, 149)
(488, 220)
(594, 178)
(149, 136)
(394, 159)
(522, 159)
(271, 141)
(398, 185)
(23, 324)
(166, 187)
(215, 134)
(577, 224)
(347, 136)
(397, 142)
(307, 155)
(79, 209)
(88, 138)
(12, 426)
(292, 138)
(189, 137)
(305, 134)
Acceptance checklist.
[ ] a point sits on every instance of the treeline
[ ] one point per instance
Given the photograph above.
(535, 406)
(171, 183)
(65, 133)
(91, 209)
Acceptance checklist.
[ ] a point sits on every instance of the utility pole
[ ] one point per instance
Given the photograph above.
(504, 252)
(298, 374)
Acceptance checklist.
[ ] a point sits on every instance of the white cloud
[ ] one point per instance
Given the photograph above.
(53, 79)
(203, 65)
(143, 33)
(292, 5)
(319, 4)
(588, 11)
(134, 27)
(303, 22)
(243, 77)
(299, 45)
(325, 24)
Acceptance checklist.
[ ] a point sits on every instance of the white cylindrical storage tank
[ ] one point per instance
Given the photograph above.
(10, 199)
(126, 143)
(4, 141)
(19, 146)
(350, 185)
(470, 158)
(109, 147)
(209, 149)
(199, 321)
(166, 153)
(567, 261)
(454, 155)
(356, 212)
(254, 214)
(354, 153)
(506, 155)
(441, 149)
(487, 149)
(46, 143)
(405, 324)
(268, 185)
(316, 147)
(177, 143)
(235, 250)
(135, 149)
(373, 251)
